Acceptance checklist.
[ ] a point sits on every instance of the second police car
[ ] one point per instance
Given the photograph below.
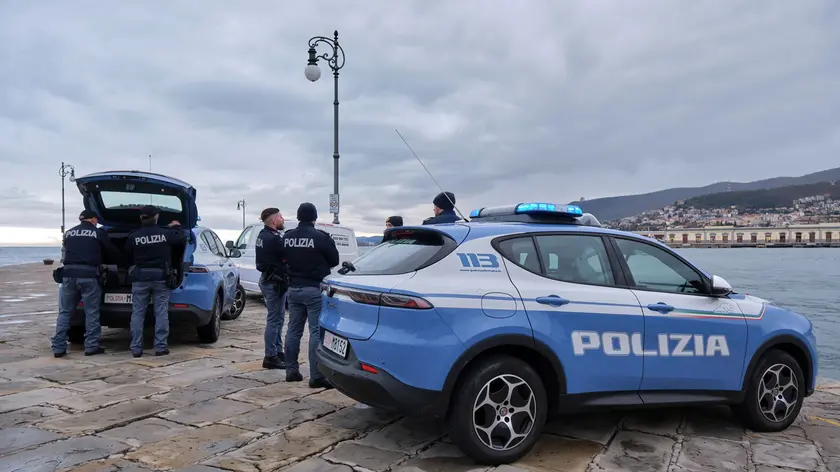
(534, 309)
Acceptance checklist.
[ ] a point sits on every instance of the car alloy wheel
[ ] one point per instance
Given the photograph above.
(498, 409)
(237, 305)
(504, 412)
(217, 319)
(778, 393)
(238, 300)
(209, 333)
(774, 393)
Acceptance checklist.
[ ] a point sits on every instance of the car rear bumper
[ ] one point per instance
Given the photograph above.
(380, 389)
(119, 316)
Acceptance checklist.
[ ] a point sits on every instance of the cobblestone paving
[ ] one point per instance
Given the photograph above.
(207, 408)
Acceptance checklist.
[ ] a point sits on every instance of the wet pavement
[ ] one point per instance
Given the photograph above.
(206, 408)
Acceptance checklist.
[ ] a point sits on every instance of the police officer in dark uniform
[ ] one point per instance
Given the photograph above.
(393, 222)
(310, 254)
(274, 283)
(444, 209)
(150, 251)
(83, 247)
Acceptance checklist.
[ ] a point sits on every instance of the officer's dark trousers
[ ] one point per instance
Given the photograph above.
(140, 293)
(71, 291)
(275, 302)
(304, 306)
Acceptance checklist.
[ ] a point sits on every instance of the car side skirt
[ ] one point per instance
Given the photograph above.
(583, 402)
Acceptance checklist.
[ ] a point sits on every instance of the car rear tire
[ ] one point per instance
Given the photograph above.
(238, 305)
(775, 393)
(76, 335)
(209, 333)
(498, 411)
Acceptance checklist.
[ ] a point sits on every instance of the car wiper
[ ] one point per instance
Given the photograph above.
(346, 267)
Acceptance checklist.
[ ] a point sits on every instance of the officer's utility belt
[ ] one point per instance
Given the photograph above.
(138, 273)
(77, 271)
(277, 277)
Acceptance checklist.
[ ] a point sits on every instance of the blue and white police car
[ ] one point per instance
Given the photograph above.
(534, 309)
(208, 288)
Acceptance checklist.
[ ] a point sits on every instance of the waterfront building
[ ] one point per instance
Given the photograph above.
(802, 235)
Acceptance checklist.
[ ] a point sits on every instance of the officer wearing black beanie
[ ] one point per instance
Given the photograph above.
(444, 209)
(310, 254)
(393, 222)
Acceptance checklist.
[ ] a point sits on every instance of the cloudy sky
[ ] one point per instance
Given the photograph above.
(505, 101)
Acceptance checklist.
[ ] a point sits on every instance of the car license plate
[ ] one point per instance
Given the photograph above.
(122, 298)
(335, 344)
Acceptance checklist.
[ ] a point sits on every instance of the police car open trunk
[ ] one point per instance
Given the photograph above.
(117, 198)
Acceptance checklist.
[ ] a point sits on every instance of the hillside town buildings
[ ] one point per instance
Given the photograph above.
(809, 221)
(817, 209)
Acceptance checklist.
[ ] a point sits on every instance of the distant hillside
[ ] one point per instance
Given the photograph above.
(611, 208)
(764, 198)
(368, 240)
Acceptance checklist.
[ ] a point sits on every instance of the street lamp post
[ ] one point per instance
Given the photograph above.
(240, 205)
(64, 171)
(335, 59)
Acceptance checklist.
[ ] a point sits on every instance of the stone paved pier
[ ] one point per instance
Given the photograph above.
(207, 408)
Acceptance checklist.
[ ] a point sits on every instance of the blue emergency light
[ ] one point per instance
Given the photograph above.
(535, 212)
(527, 208)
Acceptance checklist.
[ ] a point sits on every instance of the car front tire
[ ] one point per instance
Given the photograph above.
(209, 333)
(498, 411)
(238, 305)
(775, 393)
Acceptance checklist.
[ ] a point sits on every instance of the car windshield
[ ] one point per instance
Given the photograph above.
(137, 200)
(406, 251)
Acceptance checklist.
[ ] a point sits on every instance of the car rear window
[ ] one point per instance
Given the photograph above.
(404, 251)
(132, 200)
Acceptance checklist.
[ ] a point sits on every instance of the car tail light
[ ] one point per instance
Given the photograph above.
(199, 269)
(378, 298)
(404, 301)
(358, 296)
(180, 305)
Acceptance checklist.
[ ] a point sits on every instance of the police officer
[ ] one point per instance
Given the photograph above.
(83, 247)
(150, 251)
(393, 222)
(273, 284)
(310, 254)
(444, 209)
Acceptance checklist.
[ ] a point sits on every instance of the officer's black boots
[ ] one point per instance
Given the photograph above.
(293, 377)
(94, 352)
(164, 352)
(276, 362)
(320, 383)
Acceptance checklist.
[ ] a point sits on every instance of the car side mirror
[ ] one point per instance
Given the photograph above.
(720, 286)
(229, 244)
(234, 253)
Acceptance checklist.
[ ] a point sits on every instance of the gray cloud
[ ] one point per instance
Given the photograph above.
(504, 102)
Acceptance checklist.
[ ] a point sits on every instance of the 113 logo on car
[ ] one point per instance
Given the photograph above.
(478, 262)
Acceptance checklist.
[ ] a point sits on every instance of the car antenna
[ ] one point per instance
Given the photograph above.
(430, 175)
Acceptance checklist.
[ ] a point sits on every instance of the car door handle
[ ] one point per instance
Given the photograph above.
(660, 307)
(552, 300)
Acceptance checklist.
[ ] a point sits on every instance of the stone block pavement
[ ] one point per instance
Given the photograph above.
(207, 408)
